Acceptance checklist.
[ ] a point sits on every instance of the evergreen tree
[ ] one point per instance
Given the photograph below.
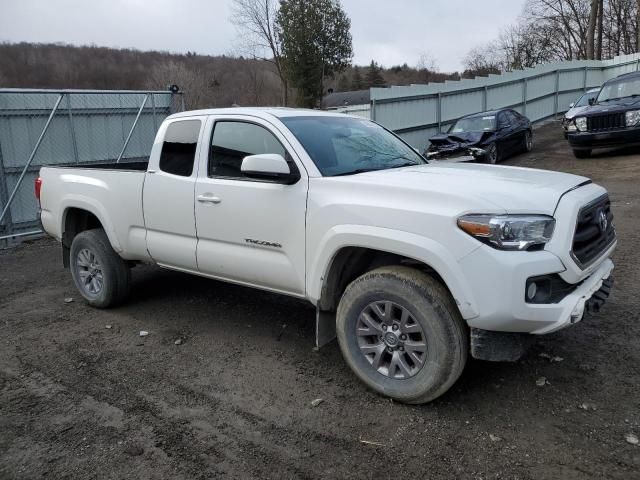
(374, 76)
(343, 83)
(357, 82)
(316, 43)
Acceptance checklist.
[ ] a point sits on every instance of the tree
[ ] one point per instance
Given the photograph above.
(255, 19)
(591, 29)
(356, 82)
(315, 39)
(343, 83)
(374, 76)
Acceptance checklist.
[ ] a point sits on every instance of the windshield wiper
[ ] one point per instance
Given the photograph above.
(357, 170)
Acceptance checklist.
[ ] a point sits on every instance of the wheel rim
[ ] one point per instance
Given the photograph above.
(391, 339)
(492, 153)
(528, 141)
(89, 271)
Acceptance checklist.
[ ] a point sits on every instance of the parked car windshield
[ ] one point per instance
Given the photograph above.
(347, 145)
(583, 101)
(619, 89)
(482, 123)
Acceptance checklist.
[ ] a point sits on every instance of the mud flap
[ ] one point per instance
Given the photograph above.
(325, 327)
(499, 346)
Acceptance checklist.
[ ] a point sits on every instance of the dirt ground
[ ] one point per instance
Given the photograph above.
(80, 400)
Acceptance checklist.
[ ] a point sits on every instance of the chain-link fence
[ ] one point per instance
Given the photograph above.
(50, 127)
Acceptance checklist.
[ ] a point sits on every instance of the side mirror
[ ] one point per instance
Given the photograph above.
(592, 101)
(269, 167)
(571, 105)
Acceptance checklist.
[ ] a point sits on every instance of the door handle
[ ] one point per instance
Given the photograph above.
(208, 198)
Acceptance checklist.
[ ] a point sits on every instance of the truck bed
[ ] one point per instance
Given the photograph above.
(125, 166)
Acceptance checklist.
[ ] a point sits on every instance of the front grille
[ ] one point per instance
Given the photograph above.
(594, 231)
(610, 121)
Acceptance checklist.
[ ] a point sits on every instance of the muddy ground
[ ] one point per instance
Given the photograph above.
(79, 400)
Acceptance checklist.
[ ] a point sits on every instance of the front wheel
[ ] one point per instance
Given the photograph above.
(101, 276)
(492, 156)
(582, 153)
(401, 333)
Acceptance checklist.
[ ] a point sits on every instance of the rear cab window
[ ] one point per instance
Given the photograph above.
(179, 147)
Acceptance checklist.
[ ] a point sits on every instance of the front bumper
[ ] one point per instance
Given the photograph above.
(614, 138)
(500, 291)
(461, 155)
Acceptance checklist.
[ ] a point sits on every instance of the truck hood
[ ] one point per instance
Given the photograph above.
(503, 188)
(612, 106)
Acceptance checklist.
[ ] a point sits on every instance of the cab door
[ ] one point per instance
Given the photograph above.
(250, 231)
(167, 198)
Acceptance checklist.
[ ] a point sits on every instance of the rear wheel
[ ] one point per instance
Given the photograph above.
(401, 333)
(582, 153)
(528, 141)
(101, 276)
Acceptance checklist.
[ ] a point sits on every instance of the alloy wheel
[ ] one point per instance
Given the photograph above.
(391, 339)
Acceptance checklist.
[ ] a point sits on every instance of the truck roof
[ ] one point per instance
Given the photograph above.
(263, 112)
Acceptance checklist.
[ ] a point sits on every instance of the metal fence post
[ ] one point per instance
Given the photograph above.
(135, 122)
(4, 196)
(485, 94)
(584, 82)
(524, 96)
(373, 109)
(74, 143)
(153, 111)
(555, 103)
(31, 157)
(439, 112)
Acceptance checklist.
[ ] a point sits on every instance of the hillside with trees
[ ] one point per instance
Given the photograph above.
(209, 81)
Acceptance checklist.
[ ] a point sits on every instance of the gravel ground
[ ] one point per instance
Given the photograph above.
(82, 395)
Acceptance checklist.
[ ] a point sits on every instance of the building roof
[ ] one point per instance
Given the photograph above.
(342, 99)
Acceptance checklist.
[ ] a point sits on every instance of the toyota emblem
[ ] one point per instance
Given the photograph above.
(602, 221)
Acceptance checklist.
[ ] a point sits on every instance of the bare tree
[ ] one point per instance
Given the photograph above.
(255, 21)
(637, 26)
(591, 29)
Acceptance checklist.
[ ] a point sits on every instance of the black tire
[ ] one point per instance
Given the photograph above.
(582, 153)
(431, 306)
(493, 154)
(528, 141)
(110, 268)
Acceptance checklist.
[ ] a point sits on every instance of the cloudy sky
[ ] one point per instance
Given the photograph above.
(390, 31)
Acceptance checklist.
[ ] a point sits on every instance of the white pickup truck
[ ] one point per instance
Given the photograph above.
(412, 265)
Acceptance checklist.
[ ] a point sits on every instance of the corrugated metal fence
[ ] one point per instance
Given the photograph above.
(417, 112)
(45, 127)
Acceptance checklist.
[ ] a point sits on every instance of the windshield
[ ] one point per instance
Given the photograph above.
(620, 89)
(484, 123)
(583, 101)
(346, 145)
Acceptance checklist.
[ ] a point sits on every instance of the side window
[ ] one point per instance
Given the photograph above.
(179, 147)
(234, 140)
(503, 121)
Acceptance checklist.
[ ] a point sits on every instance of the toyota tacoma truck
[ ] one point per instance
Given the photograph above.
(413, 266)
(611, 120)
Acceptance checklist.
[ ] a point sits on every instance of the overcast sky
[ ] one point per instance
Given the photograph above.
(390, 31)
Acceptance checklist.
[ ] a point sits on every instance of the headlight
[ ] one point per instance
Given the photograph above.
(581, 123)
(477, 152)
(509, 232)
(632, 117)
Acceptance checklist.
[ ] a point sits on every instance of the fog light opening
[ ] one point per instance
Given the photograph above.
(532, 289)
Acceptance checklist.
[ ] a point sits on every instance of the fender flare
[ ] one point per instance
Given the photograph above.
(406, 244)
(92, 206)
